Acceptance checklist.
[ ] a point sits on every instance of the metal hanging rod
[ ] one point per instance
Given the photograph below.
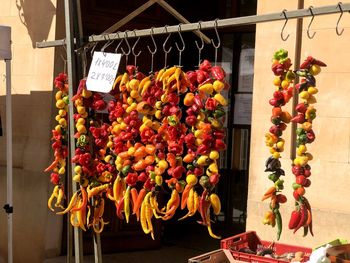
(219, 23)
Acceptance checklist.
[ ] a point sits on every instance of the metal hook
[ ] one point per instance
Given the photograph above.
(166, 52)
(126, 54)
(200, 48)
(133, 48)
(308, 27)
(341, 14)
(284, 26)
(109, 42)
(93, 48)
(183, 44)
(121, 41)
(155, 49)
(218, 38)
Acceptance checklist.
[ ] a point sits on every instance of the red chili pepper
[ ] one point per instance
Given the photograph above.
(191, 120)
(301, 107)
(300, 180)
(218, 73)
(294, 219)
(131, 179)
(280, 198)
(198, 171)
(275, 130)
(205, 65)
(297, 170)
(310, 136)
(131, 69)
(303, 217)
(203, 149)
(300, 118)
(296, 195)
(278, 69)
(55, 178)
(219, 145)
(211, 104)
(192, 76)
(178, 171)
(307, 172)
(142, 177)
(214, 179)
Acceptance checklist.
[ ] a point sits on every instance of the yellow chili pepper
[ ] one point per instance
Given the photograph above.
(127, 204)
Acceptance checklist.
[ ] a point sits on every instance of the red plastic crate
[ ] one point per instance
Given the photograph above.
(251, 240)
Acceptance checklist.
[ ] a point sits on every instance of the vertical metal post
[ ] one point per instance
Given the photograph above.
(97, 248)
(9, 161)
(72, 82)
(297, 57)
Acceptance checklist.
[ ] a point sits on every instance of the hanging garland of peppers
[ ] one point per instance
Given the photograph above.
(149, 140)
(284, 91)
(59, 141)
(306, 113)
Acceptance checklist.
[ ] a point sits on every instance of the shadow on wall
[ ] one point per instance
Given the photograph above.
(38, 23)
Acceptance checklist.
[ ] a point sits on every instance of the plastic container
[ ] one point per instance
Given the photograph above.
(216, 256)
(335, 242)
(339, 254)
(251, 240)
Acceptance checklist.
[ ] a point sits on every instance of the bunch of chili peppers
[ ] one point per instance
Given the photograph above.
(150, 140)
(59, 141)
(284, 91)
(306, 113)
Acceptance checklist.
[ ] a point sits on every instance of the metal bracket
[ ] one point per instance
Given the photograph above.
(8, 209)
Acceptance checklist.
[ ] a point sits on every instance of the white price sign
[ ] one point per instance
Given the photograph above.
(102, 72)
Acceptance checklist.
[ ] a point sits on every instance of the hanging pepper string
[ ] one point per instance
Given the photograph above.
(301, 217)
(284, 91)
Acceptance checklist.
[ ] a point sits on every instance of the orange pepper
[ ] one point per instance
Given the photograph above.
(150, 149)
(189, 158)
(188, 100)
(140, 152)
(149, 159)
(140, 165)
(137, 204)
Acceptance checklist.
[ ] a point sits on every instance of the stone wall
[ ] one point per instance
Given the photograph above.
(32, 89)
(329, 192)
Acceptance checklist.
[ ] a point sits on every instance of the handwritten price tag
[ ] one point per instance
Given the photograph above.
(102, 72)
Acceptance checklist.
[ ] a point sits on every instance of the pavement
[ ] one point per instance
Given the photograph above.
(178, 245)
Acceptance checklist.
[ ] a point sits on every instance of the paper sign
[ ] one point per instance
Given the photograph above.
(102, 72)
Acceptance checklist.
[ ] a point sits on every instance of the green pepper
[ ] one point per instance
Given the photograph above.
(296, 186)
(279, 223)
(152, 175)
(172, 120)
(190, 167)
(66, 99)
(204, 181)
(280, 54)
(126, 170)
(82, 141)
(218, 113)
(274, 177)
(300, 131)
(279, 184)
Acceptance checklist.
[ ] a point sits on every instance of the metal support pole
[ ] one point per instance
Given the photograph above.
(9, 162)
(220, 23)
(72, 82)
(97, 248)
(297, 57)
